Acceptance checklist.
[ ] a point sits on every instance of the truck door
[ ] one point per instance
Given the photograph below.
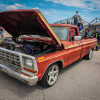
(70, 52)
(70, 46)
(76, 47)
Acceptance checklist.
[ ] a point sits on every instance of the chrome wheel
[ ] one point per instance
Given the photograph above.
(52, 75)
(90, 54)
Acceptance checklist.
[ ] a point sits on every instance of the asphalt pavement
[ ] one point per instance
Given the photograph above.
(78, 81)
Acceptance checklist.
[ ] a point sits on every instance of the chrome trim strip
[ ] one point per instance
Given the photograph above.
(59, 55)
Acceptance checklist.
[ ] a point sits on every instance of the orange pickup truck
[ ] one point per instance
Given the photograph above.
(37, 50)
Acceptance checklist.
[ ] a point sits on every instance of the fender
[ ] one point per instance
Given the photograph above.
(91, 48)
(51, 64)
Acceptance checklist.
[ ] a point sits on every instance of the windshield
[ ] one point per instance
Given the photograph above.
(61, 32)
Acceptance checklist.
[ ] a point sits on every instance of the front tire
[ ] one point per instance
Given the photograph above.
(50, 76)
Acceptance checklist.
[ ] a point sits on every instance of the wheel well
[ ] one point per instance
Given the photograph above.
(92, 48)
(60, 64)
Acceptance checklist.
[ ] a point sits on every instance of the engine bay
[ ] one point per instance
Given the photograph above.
(30, 45)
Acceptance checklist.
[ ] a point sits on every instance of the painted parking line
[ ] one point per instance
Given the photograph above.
(96, 51)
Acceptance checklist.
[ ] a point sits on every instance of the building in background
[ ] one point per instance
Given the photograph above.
(69, 21)
(93, 25)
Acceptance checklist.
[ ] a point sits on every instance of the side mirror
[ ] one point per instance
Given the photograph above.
(77, 38)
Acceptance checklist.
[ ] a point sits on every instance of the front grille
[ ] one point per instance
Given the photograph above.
(10, 59)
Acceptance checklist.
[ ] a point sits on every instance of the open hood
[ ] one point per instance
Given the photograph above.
(26, 22)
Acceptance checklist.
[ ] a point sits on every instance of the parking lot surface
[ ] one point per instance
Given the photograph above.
(78, 81)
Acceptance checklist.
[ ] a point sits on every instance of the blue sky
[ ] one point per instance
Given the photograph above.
(55, 10)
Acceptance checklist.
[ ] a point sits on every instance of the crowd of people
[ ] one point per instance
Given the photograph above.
(91, 33)
(86, 32)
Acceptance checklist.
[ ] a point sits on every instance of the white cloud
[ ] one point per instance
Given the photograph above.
(92, 5)
(53, 5)
(36, 8)
(75, 3)
(19, 5)
(46, 13)
(15, 6)
(41, 4)
(11, 7)
(85, 10)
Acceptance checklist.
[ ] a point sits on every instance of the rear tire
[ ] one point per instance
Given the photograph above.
(50, 76)
(89, 55)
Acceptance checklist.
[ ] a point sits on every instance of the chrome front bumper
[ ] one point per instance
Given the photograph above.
(29, 80)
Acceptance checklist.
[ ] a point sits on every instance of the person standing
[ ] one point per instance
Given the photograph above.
(76, 18)
(81, 27)
(93, 33)
(79, 22)
(69, 23)
(97, 35)
(1, 31)
(86, 33)
(90, 33)
(83, 32)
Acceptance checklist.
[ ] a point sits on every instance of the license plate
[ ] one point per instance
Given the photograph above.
(4, 70)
